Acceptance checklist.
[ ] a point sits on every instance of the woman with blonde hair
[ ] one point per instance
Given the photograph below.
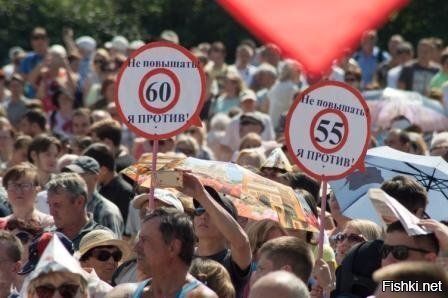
(214, 276)
(356, 231)
(233, 85)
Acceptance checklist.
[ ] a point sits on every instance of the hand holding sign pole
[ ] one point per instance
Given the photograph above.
(327, 134)
(160, 92)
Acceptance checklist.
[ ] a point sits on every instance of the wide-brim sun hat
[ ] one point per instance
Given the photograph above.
(98, 238)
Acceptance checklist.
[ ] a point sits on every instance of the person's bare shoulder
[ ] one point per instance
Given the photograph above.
(202, 292)
(123, 291)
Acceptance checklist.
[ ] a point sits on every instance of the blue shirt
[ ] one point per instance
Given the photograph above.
(223, 104)
(84, 70)
(31, 60)
(369, 64)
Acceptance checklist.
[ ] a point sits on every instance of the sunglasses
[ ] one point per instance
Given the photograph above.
(199, 211)
(24, 237)
(36, 37)
(65, 290)
(399, 252)
(104, 255)
(350, 238)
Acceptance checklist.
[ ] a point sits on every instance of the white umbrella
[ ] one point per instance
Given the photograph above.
(429, 114)
(384, 163)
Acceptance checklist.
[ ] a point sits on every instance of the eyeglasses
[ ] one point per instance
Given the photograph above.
(98, 61)
(350, 238)
(65, 290)
(199, 211)
(24, 237)
(104, 255)
(23, 186)
(399, 252)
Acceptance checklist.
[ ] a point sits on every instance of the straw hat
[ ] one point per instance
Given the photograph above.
(97, 238)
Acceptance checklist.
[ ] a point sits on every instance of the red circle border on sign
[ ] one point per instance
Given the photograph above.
(344, 138)
(176, 88)
(192, 118)
(358, 164)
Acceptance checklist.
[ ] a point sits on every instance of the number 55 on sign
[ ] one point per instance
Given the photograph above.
(328, 130)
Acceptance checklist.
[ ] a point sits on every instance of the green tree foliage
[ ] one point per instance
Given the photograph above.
(419, 19)
(194, 20)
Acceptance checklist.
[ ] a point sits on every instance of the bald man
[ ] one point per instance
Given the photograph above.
(279, 284)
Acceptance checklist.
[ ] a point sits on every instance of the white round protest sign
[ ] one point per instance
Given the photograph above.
(160, 90)
(328, 130)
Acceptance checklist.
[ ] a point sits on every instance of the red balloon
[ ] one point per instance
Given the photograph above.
(315, 32)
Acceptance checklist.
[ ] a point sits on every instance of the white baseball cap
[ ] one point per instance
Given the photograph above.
(86, 43)
(160, 194)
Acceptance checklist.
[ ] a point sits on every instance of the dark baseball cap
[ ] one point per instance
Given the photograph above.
(251, 118)
(38, 246)
(222, 199)
(82, 165)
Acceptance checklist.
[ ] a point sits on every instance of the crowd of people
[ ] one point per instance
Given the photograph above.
(63, 147)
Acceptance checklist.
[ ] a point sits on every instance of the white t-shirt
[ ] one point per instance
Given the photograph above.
(337, 74)
(393, 75)
(232, 137)
(281, 97)
(246, 74)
